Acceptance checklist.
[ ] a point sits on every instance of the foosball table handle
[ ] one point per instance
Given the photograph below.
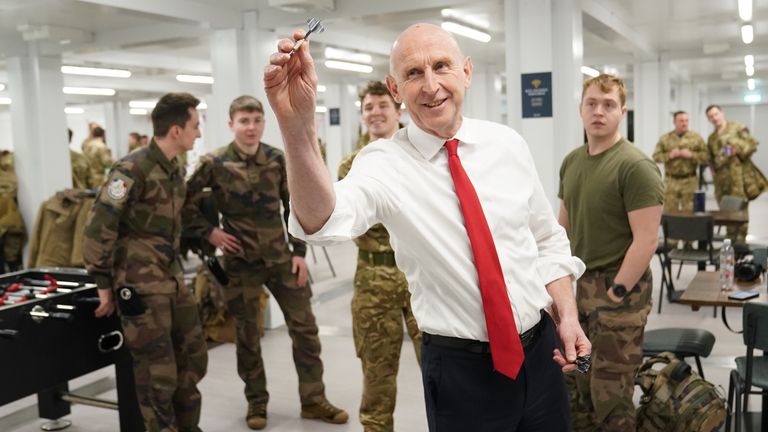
(9, 334)
(105, 345)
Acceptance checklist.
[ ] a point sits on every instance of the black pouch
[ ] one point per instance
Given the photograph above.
(217, 270)
(129, 302)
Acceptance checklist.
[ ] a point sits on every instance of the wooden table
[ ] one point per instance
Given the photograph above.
(704, 290)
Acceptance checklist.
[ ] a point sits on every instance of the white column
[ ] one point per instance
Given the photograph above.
(39, 130)
(544, 37)
(339, 139)
(652, 107)
(238, 57)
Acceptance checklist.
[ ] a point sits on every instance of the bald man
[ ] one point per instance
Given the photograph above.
(448, 223)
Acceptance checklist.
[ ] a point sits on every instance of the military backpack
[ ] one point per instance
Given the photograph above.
(677, 399)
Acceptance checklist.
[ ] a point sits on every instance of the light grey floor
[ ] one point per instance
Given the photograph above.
(224, 406)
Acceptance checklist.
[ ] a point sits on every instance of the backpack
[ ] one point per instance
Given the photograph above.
(677, 399)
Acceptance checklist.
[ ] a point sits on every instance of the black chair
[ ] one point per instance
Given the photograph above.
(661, 249)
(683, 342)
(688, 228)
(729, 203)
(750, 371)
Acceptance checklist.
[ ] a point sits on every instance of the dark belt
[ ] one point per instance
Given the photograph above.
(681, 176)
(377, 258)
(478, 347)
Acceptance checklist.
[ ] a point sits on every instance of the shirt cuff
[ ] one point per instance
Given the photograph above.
(103, 281)
(553, 268)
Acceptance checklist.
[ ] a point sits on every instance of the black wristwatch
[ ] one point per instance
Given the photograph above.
(619, 290)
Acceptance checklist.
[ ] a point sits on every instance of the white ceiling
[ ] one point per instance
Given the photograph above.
(156, 39)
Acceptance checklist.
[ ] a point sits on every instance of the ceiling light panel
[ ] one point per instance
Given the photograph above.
(92, 71)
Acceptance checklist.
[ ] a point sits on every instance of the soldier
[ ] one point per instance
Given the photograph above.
(81, 169)
(681, 151)
(611, 200)
(132, 247)
(730, 148)
(381, 301)
(248, 183)
(134, 141)
(98, 154)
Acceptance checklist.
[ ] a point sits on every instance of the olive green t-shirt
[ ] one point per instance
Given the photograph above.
(598, 191)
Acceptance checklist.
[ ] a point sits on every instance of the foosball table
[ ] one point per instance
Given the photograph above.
(49, 335)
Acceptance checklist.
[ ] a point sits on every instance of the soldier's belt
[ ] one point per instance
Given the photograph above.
(681, 176)
(377, 258)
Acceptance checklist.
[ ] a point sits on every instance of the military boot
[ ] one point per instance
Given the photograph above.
(323, 410)
(257, 415)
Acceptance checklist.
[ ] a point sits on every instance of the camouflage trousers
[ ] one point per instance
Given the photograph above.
(601, 400)
(379, 306)
(169, 358)
(727, 184)
(678, 193)
(242, 296)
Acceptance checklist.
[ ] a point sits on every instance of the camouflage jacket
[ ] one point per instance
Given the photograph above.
(741, 141)
(99, 157)
(81, 171)
(133, 230)
(376, 239)
(248, 191)
(681, 167)
(8, 181)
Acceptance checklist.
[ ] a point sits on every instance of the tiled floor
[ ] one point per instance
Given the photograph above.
(224, 406)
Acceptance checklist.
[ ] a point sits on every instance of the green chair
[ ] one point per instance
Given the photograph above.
(683, 342)
(750, 371)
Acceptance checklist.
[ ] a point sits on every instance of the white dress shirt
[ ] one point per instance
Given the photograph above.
(405, 183)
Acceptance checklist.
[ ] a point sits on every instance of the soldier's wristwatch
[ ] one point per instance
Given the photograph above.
(619, 290)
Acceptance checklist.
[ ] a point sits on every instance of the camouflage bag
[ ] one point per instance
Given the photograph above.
(676, 399)
(755, 182)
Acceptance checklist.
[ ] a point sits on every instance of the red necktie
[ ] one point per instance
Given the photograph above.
(506, 349)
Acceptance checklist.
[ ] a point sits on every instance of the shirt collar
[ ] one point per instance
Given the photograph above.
(429, 145)
(260, 157)
(158, 156)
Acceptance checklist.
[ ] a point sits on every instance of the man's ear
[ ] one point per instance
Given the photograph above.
(392, 86)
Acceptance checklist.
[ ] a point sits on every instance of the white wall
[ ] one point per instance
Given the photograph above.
(6, 136)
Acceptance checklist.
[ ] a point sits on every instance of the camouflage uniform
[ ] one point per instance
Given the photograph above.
(680, 181)
(729, 177)
(81, 171)
(13, 233)
(99, 157)
(248, 192)
(602, 398)
(132, 240)
(380, 304)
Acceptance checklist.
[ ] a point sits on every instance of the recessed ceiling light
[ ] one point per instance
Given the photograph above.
(352, 67)
(142, 104)
(202, 105)
(196, 79)
(321, 109)
(350, 56)
(750, 70)
(749, 60)
(747, 33)
(74, 110)
(468, 32)
(5, 101)
(92, 71)
(751, 84)
(321, 88)
(2, 86)
(89, 91)
(586, 70)
(745, 10)
(137, 111)
(753, 98)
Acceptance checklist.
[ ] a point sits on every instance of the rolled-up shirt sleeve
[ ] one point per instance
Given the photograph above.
(363, 198)
(555, 259)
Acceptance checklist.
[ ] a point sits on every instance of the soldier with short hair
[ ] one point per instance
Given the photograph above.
(730, 148)
(610, 204)
(81, 169)
(381, 301)
(681, 151)
(98, 154)
(249, 185)
(131, 248)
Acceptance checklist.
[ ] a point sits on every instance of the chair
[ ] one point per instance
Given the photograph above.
(683, 342)
(689, 228)
(327, 259)
(661, 250)
(729, 203)
(750, 371)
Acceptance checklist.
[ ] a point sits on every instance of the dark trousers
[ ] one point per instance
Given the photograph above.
(463, 392)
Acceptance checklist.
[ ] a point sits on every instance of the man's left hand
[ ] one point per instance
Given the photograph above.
(575, 342)
(299, 268)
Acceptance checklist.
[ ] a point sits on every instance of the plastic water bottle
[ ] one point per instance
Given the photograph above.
(727, 260)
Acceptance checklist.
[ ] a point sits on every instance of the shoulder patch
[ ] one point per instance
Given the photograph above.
(118, 187)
